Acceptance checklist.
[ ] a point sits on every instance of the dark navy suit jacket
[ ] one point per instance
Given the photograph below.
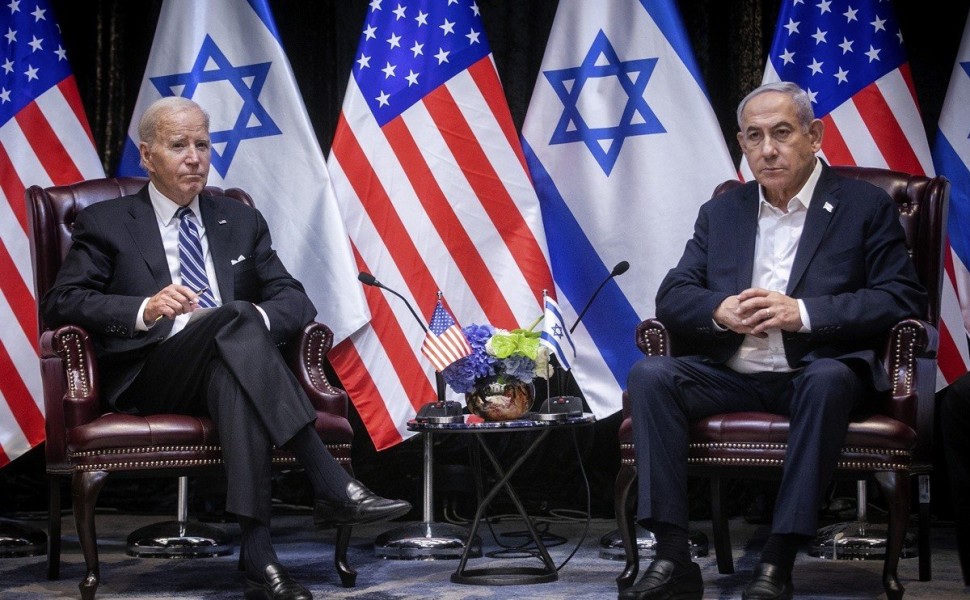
(117, 260)
(851, 269)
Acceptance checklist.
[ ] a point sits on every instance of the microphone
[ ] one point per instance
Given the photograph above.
(440, 411)
(368, 279)
(620, 268)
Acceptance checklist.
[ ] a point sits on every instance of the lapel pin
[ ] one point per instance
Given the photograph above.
(828, 207)
(222, 221)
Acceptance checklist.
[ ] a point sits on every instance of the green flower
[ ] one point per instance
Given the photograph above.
(518, 342)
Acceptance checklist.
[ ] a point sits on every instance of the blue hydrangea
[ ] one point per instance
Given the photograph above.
(463, 375)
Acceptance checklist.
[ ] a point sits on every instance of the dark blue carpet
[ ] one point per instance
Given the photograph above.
(309, 554)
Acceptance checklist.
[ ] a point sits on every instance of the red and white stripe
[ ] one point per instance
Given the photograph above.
(444, 349)
(47, 143)
(881, 127)
(437, 199)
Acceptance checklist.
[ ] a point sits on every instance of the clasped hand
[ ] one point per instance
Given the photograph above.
(756, 310)
(171, 301)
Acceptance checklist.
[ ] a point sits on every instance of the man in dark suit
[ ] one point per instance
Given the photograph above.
(138, 271)
(779, 303)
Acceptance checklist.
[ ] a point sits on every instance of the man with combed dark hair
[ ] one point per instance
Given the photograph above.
(779, 303)
(140, 266)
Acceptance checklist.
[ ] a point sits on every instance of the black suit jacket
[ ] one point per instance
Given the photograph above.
(851, 269)
(117, 260)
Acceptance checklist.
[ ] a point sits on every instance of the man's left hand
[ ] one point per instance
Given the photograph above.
(761, 310)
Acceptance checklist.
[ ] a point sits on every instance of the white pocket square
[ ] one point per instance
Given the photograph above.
(236, 261)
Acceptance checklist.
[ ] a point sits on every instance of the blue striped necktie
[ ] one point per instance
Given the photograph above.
(191, 261)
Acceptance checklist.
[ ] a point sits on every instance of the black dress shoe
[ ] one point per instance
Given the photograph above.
(276, 585)
(769, 583)
(664, 580)
(360, 506)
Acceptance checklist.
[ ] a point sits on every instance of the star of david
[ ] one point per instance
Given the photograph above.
(211, 65)
(636, 119)
(557, 331)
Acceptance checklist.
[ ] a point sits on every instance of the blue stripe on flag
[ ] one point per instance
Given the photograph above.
(947, 162)
(664, 14)
(578, 269)
(130, 164)
(261, 7)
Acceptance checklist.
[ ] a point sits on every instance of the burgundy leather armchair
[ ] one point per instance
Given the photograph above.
(87, 442)
(891, 445)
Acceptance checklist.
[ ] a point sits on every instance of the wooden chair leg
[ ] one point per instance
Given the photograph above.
(722, 533)
(895, 489)
(348, 576)
(923, 535)
(625, 501)
(53, 527)
(85, 487)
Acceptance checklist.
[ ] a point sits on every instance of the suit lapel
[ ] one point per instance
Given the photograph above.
(218, 233)
(822, 209)
(143, 228)
(747, 232)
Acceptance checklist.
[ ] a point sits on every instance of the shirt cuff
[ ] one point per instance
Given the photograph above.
(140, 324)
(806, 322)
(265, 317)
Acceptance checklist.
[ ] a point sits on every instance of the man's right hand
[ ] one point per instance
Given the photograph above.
(171, 301)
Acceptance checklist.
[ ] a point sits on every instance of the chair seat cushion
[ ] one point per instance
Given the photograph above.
(121, 441)
(761, 439)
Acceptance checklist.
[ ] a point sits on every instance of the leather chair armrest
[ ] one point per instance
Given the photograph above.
(306, 355)
(69, 372)
(653, 339)
(911, 361)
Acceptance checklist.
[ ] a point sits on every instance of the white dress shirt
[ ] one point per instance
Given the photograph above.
(776, 243)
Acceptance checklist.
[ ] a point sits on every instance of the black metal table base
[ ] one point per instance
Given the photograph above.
(506, 575)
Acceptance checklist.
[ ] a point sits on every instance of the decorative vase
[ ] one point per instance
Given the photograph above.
(500, 401)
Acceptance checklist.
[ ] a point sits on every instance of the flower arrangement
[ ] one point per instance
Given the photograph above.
(498, 355)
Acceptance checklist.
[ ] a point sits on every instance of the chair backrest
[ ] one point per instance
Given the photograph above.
(922, 203)
(51, 213)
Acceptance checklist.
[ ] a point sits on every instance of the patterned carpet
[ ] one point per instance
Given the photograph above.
(309, 555)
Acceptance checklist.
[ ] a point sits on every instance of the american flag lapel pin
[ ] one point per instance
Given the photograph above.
(828, 207)
(222, 221)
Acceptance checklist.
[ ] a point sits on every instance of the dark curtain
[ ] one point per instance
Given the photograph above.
(108, 43)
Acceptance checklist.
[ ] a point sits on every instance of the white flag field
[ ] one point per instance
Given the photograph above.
(623, 147)
(226, 55)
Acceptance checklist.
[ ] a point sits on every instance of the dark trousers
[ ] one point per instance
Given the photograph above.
(667, 394)
(225, 365)
(955, 432)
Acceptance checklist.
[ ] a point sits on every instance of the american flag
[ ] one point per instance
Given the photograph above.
(44, 140)
(444, 342)
(849, 56)
(434, 191)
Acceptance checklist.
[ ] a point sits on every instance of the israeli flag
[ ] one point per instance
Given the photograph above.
(555, 335)
(951, 157)
(623, 146)
(227, 56)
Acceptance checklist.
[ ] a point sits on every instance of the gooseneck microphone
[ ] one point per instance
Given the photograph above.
(620, 268)
(440, 411)
(368, 279)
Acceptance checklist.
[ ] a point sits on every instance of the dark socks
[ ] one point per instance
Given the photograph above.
(328, 479)
(672, 543)
(256, 547)
(780, 550)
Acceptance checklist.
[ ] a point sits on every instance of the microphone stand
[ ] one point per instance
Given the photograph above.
(426, 540)
(560, 408)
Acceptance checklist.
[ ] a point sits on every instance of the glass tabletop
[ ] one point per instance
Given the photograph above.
(474, 423)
